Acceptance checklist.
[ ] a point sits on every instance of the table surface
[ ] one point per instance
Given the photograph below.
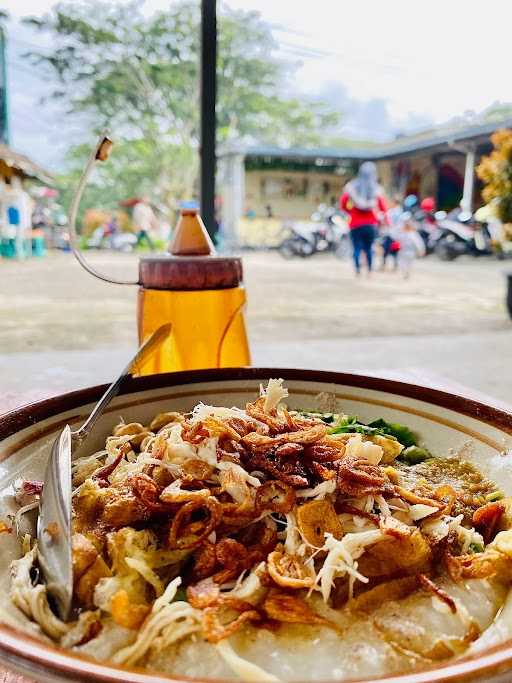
(8, 677)
(413, 375)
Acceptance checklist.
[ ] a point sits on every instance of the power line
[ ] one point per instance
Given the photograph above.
(298, 49)
(19, 41)
(304, 51)
(353, 128)
(23, 67)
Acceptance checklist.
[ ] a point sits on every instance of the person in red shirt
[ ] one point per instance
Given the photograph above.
(362, 199)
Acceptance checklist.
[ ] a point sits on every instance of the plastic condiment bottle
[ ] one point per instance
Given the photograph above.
(201, 294)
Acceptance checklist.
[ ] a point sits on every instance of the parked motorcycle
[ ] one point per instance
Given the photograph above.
(424, 217)
(429, 231)
(460, 234)
(121, 241)
(326, 232)
(301, 241)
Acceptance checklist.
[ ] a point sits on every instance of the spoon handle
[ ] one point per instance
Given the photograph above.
(145, 351)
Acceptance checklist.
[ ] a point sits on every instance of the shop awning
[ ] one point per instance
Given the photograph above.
(23, 164)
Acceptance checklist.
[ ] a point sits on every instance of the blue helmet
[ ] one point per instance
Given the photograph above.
(410, 202)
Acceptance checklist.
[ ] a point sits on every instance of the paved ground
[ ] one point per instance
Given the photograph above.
(62, 329)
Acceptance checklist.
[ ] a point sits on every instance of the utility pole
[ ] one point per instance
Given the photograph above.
(208, 96)
(4, 113)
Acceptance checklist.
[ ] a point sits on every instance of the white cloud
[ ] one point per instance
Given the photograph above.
(388, 65)
(436, 58)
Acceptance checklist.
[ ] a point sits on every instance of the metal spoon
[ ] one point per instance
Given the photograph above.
(54, 522)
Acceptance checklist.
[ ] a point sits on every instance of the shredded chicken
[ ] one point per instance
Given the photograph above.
(260, 517)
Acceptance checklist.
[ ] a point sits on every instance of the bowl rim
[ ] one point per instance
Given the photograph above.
(33, 656)
(28, 414)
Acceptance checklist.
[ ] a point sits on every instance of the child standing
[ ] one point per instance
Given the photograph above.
(411, 245)
(389, 243)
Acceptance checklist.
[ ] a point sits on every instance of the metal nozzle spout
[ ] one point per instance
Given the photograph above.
(99, 153)
(104, 148)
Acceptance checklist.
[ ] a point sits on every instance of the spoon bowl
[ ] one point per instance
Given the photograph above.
(54, 522)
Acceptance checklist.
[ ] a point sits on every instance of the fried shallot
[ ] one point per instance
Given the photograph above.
(428, 585)
(289, 608)
(275, 496)
(317, 518)
(289, 571)
(487, 518)
(183, 534)
(217, 624)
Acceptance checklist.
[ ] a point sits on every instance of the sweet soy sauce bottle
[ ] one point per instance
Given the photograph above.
(197, 291)
(201, 295)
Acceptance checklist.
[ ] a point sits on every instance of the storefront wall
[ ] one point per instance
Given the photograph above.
(425, 175)
(255, 197)
(296, 195)
(289, 194)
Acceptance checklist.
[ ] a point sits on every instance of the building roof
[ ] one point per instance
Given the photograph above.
(451, 135)
(22, 163)
(325, 153)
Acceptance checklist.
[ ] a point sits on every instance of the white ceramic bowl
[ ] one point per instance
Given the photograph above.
(445, 421)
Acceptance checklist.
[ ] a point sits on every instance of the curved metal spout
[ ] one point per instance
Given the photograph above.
(100, 153)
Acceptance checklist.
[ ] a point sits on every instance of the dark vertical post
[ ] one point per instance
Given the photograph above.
(509, 294)
(208, 94)
(4, 112)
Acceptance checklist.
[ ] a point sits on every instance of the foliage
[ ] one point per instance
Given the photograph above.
(94, 218)
(498, 111)
(495, 170)
(138, 76)
(137, 168)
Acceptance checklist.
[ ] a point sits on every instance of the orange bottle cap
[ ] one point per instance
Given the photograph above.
(193, 263)
(190, 236)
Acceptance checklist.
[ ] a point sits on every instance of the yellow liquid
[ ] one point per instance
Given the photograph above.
(208, 328)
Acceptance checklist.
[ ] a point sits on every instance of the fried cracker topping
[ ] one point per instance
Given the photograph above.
(227, 519)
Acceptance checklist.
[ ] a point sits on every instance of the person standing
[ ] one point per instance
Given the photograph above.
(363, 201)
(390, 245)
(411, 245)
(144, 220)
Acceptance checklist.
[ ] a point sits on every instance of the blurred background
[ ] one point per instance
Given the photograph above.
(305, 94)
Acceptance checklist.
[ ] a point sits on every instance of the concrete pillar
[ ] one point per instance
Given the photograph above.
(469, 180)
(3, 210)
(233, 197)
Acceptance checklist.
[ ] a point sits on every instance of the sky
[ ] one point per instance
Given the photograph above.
(389, 66)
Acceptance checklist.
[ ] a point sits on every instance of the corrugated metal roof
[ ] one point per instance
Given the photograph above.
(326, 153)
(25, 165)
(427, 140)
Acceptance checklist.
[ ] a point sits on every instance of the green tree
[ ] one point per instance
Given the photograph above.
(495, 170)
(138, 76)
(498, 111)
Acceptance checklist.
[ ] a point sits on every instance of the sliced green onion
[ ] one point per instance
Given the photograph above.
(476, 547)
(494, 496)
(414, 455)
